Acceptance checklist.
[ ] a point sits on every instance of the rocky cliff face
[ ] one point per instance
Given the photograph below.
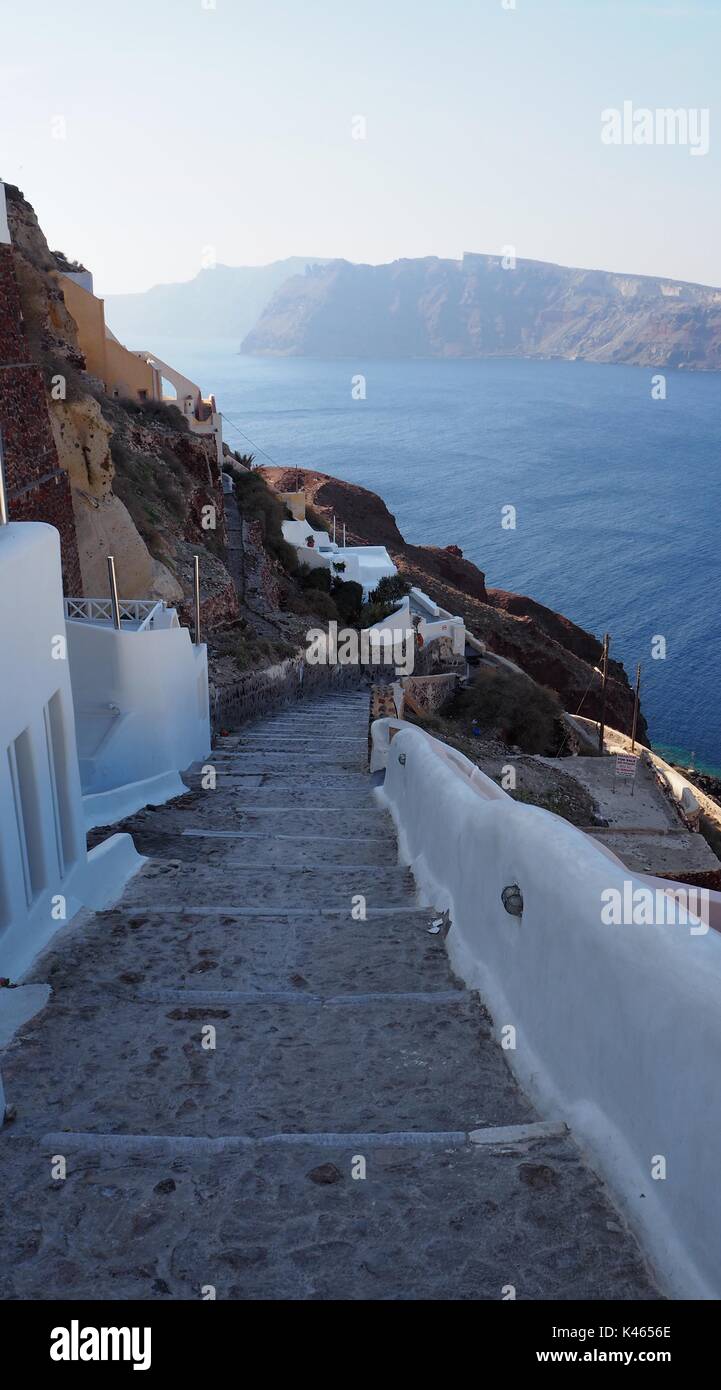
(138, 480)
(476, 308)
(550, 648)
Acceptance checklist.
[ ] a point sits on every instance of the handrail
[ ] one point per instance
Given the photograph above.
(141, 611)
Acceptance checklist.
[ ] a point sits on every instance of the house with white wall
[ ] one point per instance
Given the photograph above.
(201, 412)
(363, 564)
(46, 873)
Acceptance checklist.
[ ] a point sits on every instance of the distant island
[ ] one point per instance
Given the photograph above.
(481, 306)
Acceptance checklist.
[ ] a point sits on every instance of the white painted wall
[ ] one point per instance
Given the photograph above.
(142, 713)
(46, 874)
(364, 564)
(430, 629)
(618, 1027)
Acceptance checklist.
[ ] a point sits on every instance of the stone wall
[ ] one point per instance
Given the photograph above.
(38, 488)
(428, 694)
(254, 694)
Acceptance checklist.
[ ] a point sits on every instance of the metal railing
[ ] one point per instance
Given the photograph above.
(142, 612)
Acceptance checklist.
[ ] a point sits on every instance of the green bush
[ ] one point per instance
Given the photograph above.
(322, 604)
(348, 598)
(315, 520)
(316, 579)
(513, 706)
(257, 502)
(155, 412)
(372, 613)
(390, 589)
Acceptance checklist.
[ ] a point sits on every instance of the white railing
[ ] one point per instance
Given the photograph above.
(143, 613)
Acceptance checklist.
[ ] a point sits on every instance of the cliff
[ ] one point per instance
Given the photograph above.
(222, 302)
(128, 480)
(549, 647)
(476, 308)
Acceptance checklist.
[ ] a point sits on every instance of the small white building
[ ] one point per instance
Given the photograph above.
(363, 564)
(46, 874)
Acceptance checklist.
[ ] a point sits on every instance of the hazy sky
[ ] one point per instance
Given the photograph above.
(227, 131)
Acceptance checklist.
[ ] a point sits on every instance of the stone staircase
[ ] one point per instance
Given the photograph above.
(260, 1091)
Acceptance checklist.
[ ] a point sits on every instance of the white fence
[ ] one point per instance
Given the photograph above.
(138, 613)
(618, 1027)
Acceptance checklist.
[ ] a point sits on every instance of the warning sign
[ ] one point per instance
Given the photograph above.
(626, 764)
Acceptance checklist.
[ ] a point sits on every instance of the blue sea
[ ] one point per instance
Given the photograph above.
(618, 495)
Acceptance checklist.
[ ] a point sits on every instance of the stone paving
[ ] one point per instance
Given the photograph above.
(253, 1091)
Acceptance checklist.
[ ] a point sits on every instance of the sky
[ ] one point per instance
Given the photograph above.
(155, 137)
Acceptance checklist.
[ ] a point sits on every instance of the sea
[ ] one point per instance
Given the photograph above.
(614, 475)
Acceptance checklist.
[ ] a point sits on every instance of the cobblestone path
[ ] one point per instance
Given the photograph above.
(254, 1093)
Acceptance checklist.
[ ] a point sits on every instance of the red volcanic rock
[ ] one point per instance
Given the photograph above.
(454, 550)
(552, 650)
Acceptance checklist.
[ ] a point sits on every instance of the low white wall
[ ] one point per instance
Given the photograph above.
(46, 874)
(141, 710)
(618, 1028)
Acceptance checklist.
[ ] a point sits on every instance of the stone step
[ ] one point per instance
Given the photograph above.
(252, 760)
(283, 741)
(288, 851)
(129, 1066)
(297, 792)
(127, 949)
(164, 884)
(446, 1223)
(241, 814)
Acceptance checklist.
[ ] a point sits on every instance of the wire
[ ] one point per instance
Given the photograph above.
(578, 711)
(248, 439)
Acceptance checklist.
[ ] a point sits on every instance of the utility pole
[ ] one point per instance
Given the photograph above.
(114, 603)
(196, 595)
(635, 707)
(604, 683)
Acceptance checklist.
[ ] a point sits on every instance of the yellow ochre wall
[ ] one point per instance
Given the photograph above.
(295, 502)
(118, 368)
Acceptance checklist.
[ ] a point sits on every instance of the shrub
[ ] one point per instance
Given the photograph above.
(323, 605)
(512, 705)
(155, 412)
(257, 502)
(373, 613)
(316, 579)
(315, 520)
(390, 589)
(348, 598)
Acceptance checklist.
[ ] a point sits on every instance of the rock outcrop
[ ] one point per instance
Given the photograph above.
(114, 477)
(550, 648)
